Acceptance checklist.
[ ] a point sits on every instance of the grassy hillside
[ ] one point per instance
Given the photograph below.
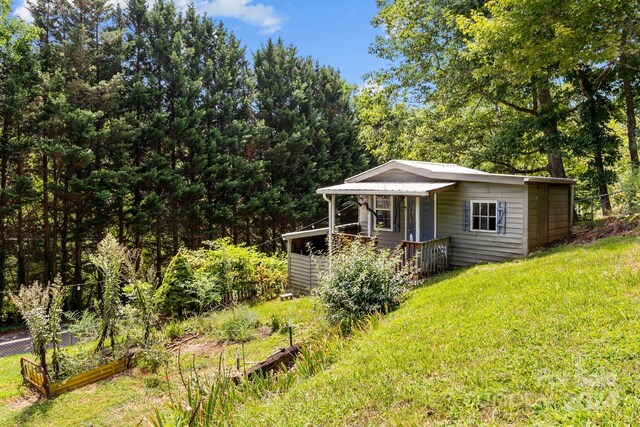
(552, 339)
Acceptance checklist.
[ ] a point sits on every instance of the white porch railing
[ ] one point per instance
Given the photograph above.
(428, 257)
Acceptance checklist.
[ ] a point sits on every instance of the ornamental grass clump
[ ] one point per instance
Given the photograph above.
(361, 280)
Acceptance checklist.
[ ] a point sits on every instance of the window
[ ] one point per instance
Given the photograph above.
(384, 212)
(483, 215)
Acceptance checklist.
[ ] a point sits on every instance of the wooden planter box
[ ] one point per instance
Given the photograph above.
(34, 375)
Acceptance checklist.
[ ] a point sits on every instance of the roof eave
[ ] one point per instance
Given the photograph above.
(549, 180)
(329, 191)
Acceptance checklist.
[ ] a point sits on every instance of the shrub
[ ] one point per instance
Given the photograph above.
(145, 310)
(151, 358)
(630, 186)
(361, 280)
(173, 330)
(276, 323)
(172, 297)
(220, 274)
(242, 324)
(108, 260)
(41, 308)
(83, 326)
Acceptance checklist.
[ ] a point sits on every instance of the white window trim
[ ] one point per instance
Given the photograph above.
(471, 202)
(375, 209)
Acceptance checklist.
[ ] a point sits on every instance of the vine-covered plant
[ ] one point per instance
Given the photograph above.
(108, 261)
(55, 324)
(41, 309)
(32, 301)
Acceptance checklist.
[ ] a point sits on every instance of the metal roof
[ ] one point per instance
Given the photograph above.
(306, 233)
(315, 231)
(387, 188)
(451, 172)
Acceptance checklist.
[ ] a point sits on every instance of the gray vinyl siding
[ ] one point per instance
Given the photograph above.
(470, 247)
(303, 272)
(386, 239)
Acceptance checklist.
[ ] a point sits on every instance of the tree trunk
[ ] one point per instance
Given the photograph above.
(555, 164)
(631, 113)
(64, 234)
(3, 242)
(54, 237)
(76, 294)
(48, 278)
(121, 223)
(589, 93)
(22, 267)
(605, 201)
(158, 250)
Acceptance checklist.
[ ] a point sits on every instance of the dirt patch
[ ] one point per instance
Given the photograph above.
(264, 332)
(202, 346)
(613, 227)
(29, 398)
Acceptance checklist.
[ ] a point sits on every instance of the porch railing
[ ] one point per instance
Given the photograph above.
(342, 238)
(428, 257)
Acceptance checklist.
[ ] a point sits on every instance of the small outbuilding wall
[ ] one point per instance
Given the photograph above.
(550, 214)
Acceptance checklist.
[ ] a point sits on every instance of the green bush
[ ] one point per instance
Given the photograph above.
(151, 358)
(220, 274)
(630, 186)
(362, 280)
(276, 323)
(172, 297)
(173, 330)
(242, 325)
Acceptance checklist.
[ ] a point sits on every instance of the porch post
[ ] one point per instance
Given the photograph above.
(332, 218)
(406, 224)
(369, 216)
(418, 237)
(435, 215)
(418, 234)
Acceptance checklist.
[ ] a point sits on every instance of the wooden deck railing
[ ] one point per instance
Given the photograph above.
(428, 257)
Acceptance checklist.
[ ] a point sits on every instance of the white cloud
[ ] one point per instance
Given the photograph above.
(258, 14)
(22, 12)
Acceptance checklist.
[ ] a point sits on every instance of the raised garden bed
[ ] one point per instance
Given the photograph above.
(35, 376)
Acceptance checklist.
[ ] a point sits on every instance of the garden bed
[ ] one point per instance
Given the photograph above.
(35, 376)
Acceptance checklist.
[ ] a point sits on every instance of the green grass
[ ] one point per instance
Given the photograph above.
(554, 339)
(551, 340)
(129, 398)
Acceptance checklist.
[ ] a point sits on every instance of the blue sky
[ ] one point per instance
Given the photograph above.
(335, 32)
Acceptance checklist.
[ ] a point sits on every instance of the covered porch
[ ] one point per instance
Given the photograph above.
(396, 214)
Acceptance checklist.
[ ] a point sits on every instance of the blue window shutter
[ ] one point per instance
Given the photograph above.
(466, 216)
(501, 227)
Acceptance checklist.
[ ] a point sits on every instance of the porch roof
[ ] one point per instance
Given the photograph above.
(388, 188)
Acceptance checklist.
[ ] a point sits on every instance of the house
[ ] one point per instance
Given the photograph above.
(441, 215)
